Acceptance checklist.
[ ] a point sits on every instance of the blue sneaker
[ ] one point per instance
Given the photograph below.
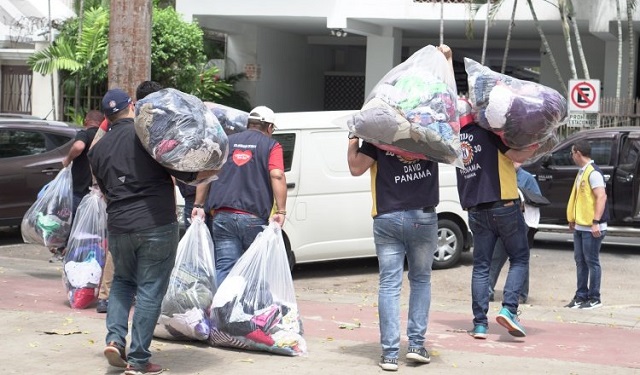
(479, 332)
(510, 321)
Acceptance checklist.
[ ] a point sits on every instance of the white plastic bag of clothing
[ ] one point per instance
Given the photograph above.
(86, 251)
(255, 306)
(522, 113)
(180, 132)
(48, 221)
(232, 120)
(412, 110)
(185, 308)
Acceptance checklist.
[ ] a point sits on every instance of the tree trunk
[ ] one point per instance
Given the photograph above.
(486, 33)
(76, 94)
(632, 40)
(508, 42)
(129, 44)
(566, 31)
(619, 74)
(441, 22)
(583, 60)
(547, 49)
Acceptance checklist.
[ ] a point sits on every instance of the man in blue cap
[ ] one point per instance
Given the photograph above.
(143, 233)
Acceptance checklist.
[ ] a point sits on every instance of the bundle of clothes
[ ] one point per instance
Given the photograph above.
(86, 251)
(232, 120)
(180, 132)
(522, 113)
(255, 306)
(412, 110)
(185, 307)
(48, 221)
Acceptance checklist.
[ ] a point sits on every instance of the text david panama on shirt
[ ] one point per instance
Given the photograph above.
(412, 172)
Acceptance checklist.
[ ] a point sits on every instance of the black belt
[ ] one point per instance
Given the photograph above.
(496, 204)
(429, 210)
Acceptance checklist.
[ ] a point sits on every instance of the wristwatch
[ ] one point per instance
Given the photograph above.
(595, 221)
(198, 206)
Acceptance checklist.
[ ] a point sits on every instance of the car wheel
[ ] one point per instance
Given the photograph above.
(450, 243)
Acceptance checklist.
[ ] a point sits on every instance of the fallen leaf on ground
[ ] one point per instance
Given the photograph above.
(61, 332)
(350, 326)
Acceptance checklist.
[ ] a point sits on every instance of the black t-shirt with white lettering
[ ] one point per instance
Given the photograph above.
(400, 183)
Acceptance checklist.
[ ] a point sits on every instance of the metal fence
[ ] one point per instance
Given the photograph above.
(614, 112)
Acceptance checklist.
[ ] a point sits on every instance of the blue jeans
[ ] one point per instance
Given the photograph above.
(414, 235)
(506, 223)
(586, 252)
(233, 233)
(143, 262)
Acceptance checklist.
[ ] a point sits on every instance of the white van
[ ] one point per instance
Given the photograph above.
(329, 210)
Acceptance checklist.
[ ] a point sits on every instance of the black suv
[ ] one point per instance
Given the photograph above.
(31, 153)
(617, 152)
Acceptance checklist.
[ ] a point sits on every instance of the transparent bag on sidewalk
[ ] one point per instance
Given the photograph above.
(255, 306)
(185, 307)
(86, 251)
(48, 221)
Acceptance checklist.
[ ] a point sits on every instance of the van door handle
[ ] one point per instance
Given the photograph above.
(50, 170)
(291, 185)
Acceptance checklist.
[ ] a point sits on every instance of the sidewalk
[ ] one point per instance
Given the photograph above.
(41, 334)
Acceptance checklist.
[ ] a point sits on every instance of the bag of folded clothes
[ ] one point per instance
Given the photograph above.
(232, 120)
(180, 132)
(185, 307)
(86, 251)
(255, 306)
(48, 221)
(522, 113)
(412, 110)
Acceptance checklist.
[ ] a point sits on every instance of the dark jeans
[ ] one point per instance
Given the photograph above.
(487, 225)
(500, 258)
(143, 262)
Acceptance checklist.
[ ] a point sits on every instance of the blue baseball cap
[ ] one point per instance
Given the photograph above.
(114, 101)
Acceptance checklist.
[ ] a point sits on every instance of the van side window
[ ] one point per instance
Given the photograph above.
(288, 142)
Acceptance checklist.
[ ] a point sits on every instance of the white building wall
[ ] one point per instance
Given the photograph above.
(291, 75)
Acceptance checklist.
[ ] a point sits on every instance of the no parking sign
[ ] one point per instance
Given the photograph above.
(584, 95)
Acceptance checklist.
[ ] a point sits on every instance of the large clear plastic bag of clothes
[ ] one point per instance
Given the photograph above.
(255, 306)
(232, 120)
(412, 110)
(522, 113)
(185, 308)
(48, 221)
(180, 132)
(86, 251)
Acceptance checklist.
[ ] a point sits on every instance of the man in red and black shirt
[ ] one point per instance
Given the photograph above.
(241, 199)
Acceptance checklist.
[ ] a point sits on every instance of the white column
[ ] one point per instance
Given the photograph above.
(383, 53)
(41, 93)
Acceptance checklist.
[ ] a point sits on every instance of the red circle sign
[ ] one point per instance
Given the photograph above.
(579, 98)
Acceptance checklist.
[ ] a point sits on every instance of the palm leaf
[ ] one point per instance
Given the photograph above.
(60, 56)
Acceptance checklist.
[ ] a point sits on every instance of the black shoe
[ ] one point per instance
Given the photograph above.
(101, 308)
(592, 303)
(575, 303)
(420, 355)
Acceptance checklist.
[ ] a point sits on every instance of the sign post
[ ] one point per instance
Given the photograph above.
(584, 102)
